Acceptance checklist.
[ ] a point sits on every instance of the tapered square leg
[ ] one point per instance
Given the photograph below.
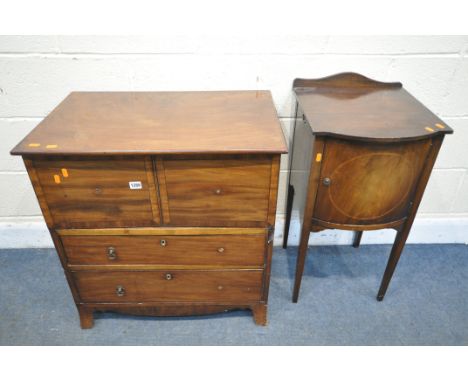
(301, 257)
(397, 248)
(287, 221)
(357, 239)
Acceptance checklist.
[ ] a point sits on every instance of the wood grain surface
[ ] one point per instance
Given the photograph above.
(102, 123)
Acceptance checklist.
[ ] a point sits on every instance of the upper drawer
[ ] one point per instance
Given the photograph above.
(215, 192)
(97, 192)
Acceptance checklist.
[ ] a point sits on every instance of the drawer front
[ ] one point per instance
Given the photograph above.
(215, 250)
(363, 183)
(96, 193)
(220, 192)
(178, 285)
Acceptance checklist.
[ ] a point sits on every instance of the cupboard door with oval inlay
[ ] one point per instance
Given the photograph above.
(215, 192)
(368, 184)
(95, 192)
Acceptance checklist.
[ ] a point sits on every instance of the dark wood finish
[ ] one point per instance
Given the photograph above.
(39, 191)
(402, 235)
(368, 155)
(170, 285)
(160, 203)
(96, 192)
(271, 219)
(86, 316)
(369, 184)
(214, 250)
(168, 309)
(306, 222)
(260, 314)
(287, 221)
(216, 192)
(351, 106)
(125, 123)
(357, 239)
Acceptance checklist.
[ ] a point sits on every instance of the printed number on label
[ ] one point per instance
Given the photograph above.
(135, 185)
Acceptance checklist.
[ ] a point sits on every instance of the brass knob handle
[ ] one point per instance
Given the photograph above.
(168, 276)
(220, 249)
(97, 191)
(163, 242)
(218, 191)
(326, 181)
(120, 290)
(111, 253)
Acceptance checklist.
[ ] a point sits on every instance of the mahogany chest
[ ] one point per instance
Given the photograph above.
(362, 155)
(160, 203)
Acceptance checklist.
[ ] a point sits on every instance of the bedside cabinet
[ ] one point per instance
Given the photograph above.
(363, 152)
(160, 203)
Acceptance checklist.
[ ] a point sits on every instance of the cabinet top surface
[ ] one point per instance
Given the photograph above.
(158, 123)
(349, 105)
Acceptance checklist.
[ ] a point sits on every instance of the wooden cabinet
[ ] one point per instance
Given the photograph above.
(363, 152)
(160, 203)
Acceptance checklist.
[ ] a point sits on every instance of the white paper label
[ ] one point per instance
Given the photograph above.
(135, 185)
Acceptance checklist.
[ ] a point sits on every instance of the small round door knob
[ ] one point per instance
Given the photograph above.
(220, 249)
(218, 191)
(120, 290)
(97, 191)
(163, 243)
(326, 181)
(168, 276)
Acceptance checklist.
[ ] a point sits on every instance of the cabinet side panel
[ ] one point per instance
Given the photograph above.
(302, 164)
(39, 192)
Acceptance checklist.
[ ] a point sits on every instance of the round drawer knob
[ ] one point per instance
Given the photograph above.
(218, 191)
(168, 276)
(111, 253)
(97, 191)
(120, 290)
(220, 249)
(163, 242)
(326, 181)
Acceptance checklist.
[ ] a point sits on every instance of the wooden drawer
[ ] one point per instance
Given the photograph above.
(215, 192)
(170, 285)
(213, 250)
(96, 192)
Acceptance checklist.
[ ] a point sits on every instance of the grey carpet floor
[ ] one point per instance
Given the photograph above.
(426, 303)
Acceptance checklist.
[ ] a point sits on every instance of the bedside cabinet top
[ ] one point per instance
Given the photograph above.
(351, 106)
(132, 123)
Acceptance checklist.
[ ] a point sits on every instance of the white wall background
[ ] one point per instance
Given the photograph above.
(37, 72)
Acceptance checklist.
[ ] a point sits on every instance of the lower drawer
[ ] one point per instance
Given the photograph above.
(213, 250)
(179, 285)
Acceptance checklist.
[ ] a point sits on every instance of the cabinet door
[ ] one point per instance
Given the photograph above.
(368, 183)
(99, 192)
(215, 192)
